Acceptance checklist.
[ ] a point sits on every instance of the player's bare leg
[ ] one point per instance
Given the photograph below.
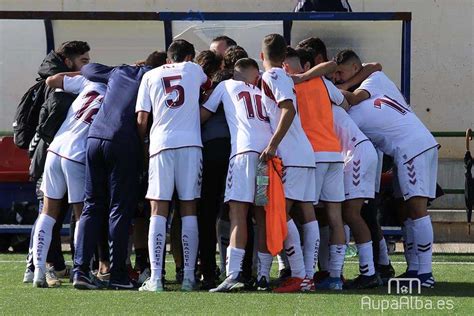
(42, 240)
(422, 231)
(189, 240)
(236, 250)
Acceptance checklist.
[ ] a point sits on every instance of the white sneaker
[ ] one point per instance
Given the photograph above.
(151, 286)
(144, 276)
(39, 279)
(51, 278)
(28, 276)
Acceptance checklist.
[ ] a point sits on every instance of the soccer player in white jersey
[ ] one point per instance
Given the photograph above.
(291, 144)
(250, 133)
(360, 173)
(64, 169)
(171, 92)
(382, 114)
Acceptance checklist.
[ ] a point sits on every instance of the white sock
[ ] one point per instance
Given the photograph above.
(383, 253)
(423, 239)
(411, 247)
(293, 251)
(190, 241)
(156, 245)
(282, 261)
(76, 233)
(223, 235)
(235, 258)
(347, 234)
(42, 240)
(336, 260)
(310, 247)
(366, 258)
(324, 249)
(264, 265)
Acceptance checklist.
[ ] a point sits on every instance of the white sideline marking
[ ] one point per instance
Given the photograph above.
(354, 262)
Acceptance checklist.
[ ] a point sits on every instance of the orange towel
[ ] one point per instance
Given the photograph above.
(275, 210)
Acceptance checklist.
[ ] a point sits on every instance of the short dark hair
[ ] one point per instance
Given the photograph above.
(274, 47)
(245, 63)
(306, 56)
(72, 49)
(209, 61)
(232, 54)
(222, 75)
(347, 55)
(156, 59)
(316, 44)
(180, 49)
(226, 39)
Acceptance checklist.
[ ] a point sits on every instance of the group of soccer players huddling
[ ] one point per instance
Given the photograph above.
(146, 119)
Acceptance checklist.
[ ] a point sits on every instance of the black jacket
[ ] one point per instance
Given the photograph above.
(52, 114)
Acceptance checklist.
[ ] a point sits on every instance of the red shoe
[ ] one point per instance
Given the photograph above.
(291, 285)
(132, 273)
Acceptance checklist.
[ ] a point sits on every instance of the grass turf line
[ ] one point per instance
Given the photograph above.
(454, 282)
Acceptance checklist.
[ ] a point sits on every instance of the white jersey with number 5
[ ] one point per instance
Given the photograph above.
(71, 139)
(247, 119)
(295, 149)
(171, 92)
(389, 121)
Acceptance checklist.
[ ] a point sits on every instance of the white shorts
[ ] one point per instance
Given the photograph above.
(299, 184)
(241, 178)
(180, 168)
(329, 182)
(360, 172)
(418, 176)
(62, 175)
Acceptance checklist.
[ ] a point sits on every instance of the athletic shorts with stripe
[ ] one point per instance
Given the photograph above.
(329, 179)
(418, 176)
(62, 175)
(180, 168)
(360, 172)
(241, 177)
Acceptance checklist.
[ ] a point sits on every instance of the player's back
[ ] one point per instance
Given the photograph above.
(347, 131)
(173, 91)
(246, 116)
(392, 127)
(71, 138)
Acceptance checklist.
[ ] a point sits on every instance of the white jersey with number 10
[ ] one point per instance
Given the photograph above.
(247, 119)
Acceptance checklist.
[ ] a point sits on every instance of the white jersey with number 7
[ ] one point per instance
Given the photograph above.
(171, 92)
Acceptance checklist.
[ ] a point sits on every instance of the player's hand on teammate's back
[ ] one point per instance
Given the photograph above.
(268, 153)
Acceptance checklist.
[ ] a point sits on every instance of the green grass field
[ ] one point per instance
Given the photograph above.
(454, 275)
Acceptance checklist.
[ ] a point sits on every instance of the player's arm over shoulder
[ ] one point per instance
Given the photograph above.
(97, 72)
(212, 103)
(319, 70)
(363, 74)
(57, 80)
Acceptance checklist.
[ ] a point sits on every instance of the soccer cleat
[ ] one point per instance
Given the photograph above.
(386, 272)
(83, 281)
(229, 285)
(51, 278)
(188, 285)
(319, 276)
(427, 280)
(122, 285)
(291, 285)
(65, 273)
(408, 274)
(145, 274)
(329, 283)
(39, 278)
(28, 276)
(362, 282)
(250, 283)
(152, 286)
(103, 277)
(263, 284)
(207, 284)
(132, 273)
(307, 285)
